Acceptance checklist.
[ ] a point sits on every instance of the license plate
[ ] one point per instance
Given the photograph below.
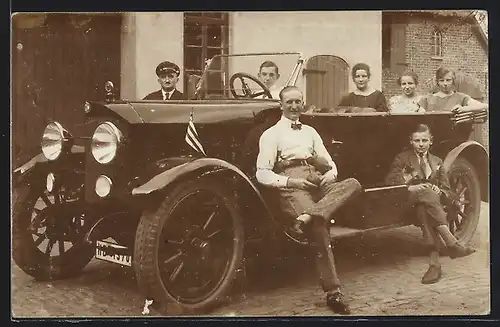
(113, 253)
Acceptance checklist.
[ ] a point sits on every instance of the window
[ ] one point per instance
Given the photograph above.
(206, 34)
(394, 43)
(437, 44)
(386, 41)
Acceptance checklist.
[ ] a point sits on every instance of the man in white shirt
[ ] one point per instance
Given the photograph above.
(310, 204)
(269, 75)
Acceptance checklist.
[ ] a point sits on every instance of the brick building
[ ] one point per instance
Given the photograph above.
(423, 41)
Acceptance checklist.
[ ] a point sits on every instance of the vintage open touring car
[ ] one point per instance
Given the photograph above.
(168, 187)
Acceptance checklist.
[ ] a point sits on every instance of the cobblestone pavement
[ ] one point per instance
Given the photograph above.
(380, 272)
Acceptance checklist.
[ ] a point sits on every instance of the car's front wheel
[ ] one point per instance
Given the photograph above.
(48, 231)
(189, 251)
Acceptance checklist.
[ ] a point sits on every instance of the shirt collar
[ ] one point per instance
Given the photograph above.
(288, 122)
(426, 153)
(163, 92)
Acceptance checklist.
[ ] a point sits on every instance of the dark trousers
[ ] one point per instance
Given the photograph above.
(431, 203)
(430, 214)
(320, 204)
(433, 241)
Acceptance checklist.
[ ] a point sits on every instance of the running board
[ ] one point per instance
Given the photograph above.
(337, 232)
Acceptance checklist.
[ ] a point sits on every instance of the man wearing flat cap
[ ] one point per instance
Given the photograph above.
(168, 76)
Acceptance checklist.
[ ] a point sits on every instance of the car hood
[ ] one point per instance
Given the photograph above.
(205, 111)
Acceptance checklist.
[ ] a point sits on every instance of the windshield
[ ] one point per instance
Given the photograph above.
(247, 76)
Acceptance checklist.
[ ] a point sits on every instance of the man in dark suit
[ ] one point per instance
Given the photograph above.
(429, 187)
(168, 76)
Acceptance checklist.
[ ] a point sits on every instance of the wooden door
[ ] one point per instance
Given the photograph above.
(327, 79)
(59, 61)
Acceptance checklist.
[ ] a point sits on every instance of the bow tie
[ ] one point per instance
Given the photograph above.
(296, 126)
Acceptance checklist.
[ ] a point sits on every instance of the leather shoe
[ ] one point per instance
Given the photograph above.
(432, 275)
(337, 302)
(458, 251)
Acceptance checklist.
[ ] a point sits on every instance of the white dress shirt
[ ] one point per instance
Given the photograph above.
(291, 144)
(165, 94)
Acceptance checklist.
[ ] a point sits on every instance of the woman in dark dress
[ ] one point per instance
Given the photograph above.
(364, 98)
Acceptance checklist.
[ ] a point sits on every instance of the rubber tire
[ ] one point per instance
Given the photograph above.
(28, 257)
(147, 242)
(462, 164)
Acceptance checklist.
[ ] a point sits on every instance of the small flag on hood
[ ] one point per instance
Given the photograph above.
(192, 137)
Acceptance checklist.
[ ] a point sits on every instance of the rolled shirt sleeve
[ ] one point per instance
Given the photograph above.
(320, 150)
(268, 150)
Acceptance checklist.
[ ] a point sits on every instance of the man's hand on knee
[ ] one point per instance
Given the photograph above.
(328, 178)
(300, 183)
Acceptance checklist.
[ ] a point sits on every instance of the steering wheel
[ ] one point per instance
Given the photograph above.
(247, 92)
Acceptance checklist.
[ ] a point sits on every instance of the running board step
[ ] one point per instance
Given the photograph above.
(339, 231)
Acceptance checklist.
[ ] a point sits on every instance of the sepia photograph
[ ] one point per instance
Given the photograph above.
(250, 164)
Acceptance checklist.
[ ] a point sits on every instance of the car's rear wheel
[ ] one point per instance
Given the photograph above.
(189, 251)
(465, 184)
(48, 233)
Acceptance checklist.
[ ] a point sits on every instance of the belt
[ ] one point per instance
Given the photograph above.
(297, 162)
(280, 166)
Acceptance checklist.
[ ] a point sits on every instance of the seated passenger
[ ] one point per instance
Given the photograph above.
(364, 96)
(168, 76)
(429, 187)
(408, 100)
(269, 75)
(446, 98)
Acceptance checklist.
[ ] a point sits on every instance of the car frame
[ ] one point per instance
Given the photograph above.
(156, 205)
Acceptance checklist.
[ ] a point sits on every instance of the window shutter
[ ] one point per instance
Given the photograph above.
(398, 45)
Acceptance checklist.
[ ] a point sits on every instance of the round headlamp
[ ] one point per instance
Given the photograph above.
(52, 141)
(103, 186)
(105, 142)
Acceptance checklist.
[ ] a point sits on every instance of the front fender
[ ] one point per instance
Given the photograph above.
(477, 155)
(38, 166)
(167, 177)
(24, 172)
(250, 197)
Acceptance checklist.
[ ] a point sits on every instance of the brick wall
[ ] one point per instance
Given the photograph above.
(462, 51)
